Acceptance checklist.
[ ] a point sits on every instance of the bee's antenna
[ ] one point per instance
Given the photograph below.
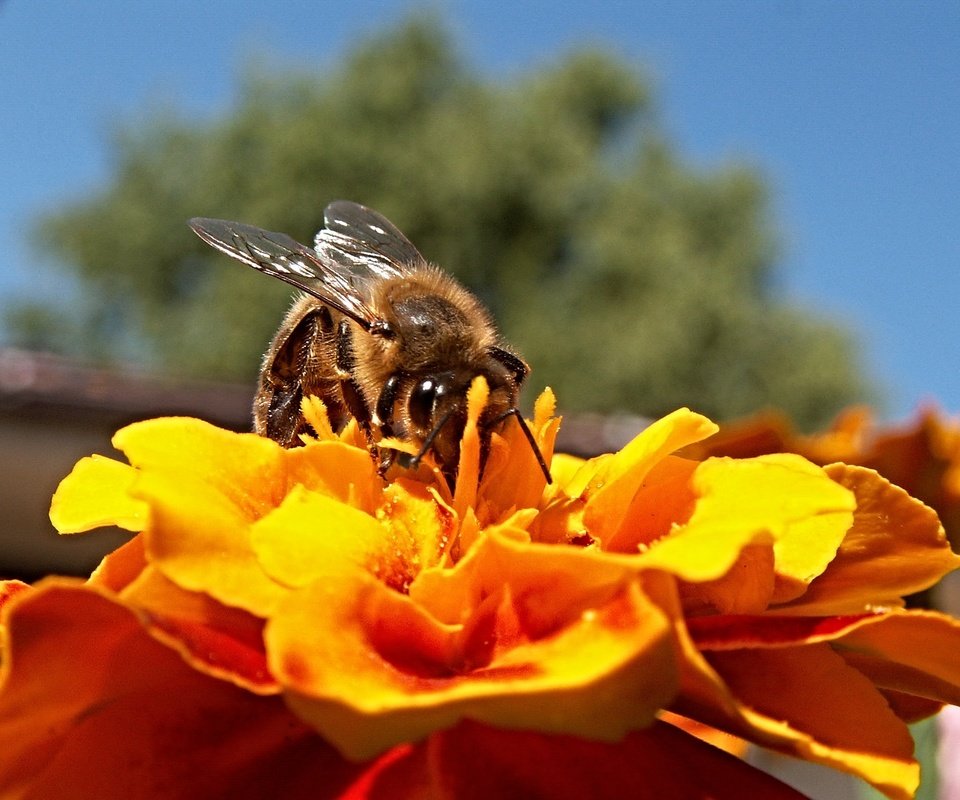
(526, 432)
(415, 461)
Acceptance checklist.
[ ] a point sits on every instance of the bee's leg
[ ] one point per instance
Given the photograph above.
(383, 414)
(349, 388)
(512, 362)
(383, 418)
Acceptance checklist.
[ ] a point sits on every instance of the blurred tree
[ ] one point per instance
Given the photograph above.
(630, 280)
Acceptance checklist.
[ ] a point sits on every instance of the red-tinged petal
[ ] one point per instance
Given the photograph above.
(895, 546)
(10, 589)
(475, 762)
(734, 632)
(909, 707)
(223, 642)
(92, 706)
(595, 659)
(800, 701)
(912, 652)
(95, 494)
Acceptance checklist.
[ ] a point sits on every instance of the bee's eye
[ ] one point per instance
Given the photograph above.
(422, 398)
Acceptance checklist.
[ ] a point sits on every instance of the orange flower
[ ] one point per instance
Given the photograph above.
(921, 456)
(399, 636)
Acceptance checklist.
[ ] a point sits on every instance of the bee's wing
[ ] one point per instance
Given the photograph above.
(342, 275)
(358, 237)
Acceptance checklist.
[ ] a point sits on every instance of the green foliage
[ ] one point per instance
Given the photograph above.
(629, 280)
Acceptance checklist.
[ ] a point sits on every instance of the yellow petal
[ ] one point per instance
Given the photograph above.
(312, 537)
(315, 413)
(468, 471)
(95, 494)
(780, 499)
(206, 487)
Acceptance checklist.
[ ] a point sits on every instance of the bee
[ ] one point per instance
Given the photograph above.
(379, 334)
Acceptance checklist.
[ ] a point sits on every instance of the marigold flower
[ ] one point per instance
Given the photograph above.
(340, 634)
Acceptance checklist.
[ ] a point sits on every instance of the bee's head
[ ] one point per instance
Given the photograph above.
(437, 410)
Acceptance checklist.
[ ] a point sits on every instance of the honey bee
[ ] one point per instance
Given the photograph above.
(379, 335)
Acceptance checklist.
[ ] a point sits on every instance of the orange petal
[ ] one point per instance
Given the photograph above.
(664, 500)
(468, 471)
(911, 652)
(895, 546)
(609, 484)
(96, 493)
(804, 701)
(92, 706)
(848, 727)
(121, 567)
(595, 660)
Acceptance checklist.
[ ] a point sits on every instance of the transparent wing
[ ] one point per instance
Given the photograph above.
(345, 283)
(357, 237)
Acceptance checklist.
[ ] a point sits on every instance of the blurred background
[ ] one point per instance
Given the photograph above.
(730, 206)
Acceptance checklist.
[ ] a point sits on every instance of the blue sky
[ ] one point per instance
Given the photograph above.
(851, 110)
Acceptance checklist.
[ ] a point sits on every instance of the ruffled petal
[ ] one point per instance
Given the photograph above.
(608, 484)
(781, 500)
(805, 701)
(895, 546)
(912, 653)
(595, 660)
(221, 641)
(93, 706)
(215, 485)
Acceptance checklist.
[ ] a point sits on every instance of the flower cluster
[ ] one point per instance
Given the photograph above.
(288, 622)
